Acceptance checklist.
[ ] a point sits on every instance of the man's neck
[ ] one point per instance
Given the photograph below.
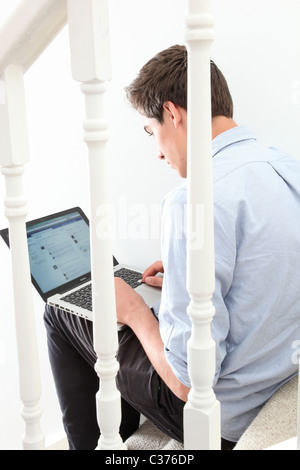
(222, 124)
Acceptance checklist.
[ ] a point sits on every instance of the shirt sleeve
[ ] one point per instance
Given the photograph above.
(175, 325)
(225, 255)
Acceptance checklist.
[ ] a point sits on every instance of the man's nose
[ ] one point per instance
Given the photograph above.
(161, 156)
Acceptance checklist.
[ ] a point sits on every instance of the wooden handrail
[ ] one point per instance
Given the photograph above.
(29, 30)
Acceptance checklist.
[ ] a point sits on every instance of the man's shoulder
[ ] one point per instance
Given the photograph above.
(247, 158)
(176, 195)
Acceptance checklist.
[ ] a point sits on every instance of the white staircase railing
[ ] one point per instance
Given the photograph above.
(90, 55)
(23, 38)
(202, 411)
(13, 156)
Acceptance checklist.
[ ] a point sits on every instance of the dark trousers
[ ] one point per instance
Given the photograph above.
(72, 358)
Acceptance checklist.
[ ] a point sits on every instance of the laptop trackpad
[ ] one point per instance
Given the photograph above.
(151, 295)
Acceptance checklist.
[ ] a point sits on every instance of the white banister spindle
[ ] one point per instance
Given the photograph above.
(90, 55)
(202, 411)
(13, 155)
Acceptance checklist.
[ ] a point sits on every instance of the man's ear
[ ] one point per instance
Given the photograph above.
(173, 112)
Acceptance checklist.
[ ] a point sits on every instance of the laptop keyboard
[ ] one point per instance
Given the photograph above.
(133, 278)
(83, 297)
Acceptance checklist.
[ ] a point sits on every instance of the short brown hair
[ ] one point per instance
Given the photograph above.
(164, 78)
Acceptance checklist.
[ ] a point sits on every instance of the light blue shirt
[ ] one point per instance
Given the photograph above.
(257, 265)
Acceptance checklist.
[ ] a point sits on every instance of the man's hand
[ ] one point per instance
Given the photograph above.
(128, 302)
(149, 276)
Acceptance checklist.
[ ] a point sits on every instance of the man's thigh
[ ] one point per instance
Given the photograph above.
(137, 380)
(141, 386)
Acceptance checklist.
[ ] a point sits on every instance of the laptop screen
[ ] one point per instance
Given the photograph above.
(59, 250)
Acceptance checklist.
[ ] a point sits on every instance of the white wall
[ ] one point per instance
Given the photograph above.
(257, 46)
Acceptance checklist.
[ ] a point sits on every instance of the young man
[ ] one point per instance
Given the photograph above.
(257, 261)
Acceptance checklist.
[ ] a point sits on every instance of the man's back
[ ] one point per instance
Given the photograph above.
(261, 197)
(257, 261)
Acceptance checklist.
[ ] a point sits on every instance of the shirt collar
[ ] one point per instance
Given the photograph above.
(230, 137)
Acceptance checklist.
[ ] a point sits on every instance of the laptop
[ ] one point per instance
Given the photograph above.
(60, 264)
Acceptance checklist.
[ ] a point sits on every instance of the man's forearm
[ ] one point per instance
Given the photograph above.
(146, 328)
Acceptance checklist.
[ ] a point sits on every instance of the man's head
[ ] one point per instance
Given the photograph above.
(159, 93)
(164, 78)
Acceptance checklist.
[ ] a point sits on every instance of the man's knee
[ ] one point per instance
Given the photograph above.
(48, 314)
